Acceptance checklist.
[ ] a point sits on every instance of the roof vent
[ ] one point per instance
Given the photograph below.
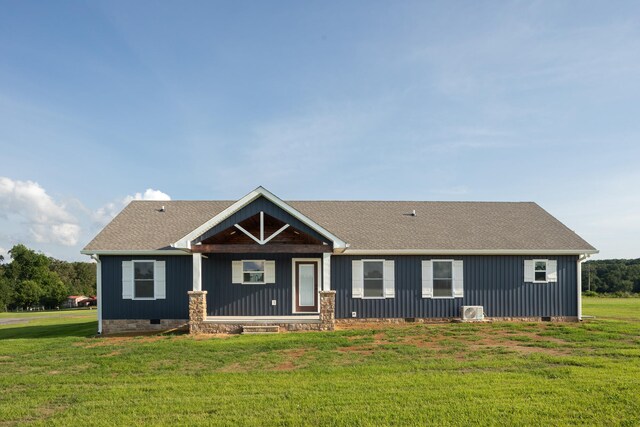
(413, 212)
(162, 209)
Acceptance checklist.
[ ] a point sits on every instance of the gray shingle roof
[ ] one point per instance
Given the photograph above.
(364, 225)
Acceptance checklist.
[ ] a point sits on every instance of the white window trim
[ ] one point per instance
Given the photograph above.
(293, 283)
(433, 277)
(264, 272)
(546, 270)
(133, 280)
(373, 260)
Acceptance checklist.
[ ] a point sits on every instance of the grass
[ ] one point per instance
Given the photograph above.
(52, 372)
(47, 313)
(612, 308)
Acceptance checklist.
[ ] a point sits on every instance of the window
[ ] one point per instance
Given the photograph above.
(143, 282)
(144, 279)
(442, 279)
(373, 282)
(253, 272)
(373, 279)
(540, 270)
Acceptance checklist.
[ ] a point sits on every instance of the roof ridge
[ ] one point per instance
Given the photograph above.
(349, 201)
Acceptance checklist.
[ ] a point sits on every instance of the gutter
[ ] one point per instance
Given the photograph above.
(99, 290)
(525, 252)
(581, 259)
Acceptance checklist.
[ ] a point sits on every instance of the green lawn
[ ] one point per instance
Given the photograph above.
(612, 308)
(53, 373)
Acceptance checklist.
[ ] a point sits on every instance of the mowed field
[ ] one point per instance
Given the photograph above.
(54, 372)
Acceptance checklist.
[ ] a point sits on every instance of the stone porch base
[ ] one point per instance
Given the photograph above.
(213, 327)
(200, 323)
(121, 326)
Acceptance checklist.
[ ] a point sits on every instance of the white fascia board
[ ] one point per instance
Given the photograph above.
(185, 242)
(136, 252)
(466, 252)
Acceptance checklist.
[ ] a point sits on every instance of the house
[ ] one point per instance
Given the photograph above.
(306, 265)
(75, 301)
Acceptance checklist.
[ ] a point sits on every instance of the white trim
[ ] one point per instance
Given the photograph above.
(258, 241)
(99, 290)
(546, 272)
(262, 227)
(581, 259)
(426, 278)
(357, 287)
(293, 283)
(271, 319)
(133, 280)
(262, 240)
(388, 278)
(326, 272)
(197, 272)
(458, 278)
(463, 252)
(138, 252)
(185, 242)
(280, 230)
(433, 277)
(185, 251)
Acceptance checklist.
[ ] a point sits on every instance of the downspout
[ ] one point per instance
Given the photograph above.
(99, 290)
(581, 258)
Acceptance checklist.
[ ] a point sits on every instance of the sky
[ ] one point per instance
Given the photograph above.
(105, 102)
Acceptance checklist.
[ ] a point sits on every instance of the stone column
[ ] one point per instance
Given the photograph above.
(197, 310)
(327, 310)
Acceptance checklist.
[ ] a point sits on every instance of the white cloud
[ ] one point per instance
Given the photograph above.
(46, 220)
(149, 194)
(5, 254)
(107, 212)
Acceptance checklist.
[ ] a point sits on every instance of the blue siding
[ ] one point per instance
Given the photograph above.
(495, 282)
(261, 205)
(231, 299)
(179, 270)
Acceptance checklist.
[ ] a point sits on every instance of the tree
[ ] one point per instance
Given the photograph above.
(26, 265)
(6, 293)
(612, 275)
(28, 294)
(85, 278)
(54, 291)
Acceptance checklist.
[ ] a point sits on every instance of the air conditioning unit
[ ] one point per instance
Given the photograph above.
(472, 312)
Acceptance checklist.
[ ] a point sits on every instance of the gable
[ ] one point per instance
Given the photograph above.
(252, 204)
(251, 211)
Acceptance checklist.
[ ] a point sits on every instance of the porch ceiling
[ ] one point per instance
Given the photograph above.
(268, 248)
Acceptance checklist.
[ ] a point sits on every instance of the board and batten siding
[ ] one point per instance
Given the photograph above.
(178, 282)
(261, 205)
(225, 298)
(494, 282)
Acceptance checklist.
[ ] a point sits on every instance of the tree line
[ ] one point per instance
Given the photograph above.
(609, 276)
(33, 279)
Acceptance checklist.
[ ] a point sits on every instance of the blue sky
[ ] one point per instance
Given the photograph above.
(104, 102)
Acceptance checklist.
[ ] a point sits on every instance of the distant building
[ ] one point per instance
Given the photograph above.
(77, 301)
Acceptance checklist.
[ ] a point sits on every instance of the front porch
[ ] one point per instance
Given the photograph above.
(201, 323)
(262, 265)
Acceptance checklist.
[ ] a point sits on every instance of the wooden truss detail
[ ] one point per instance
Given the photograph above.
(262, 240)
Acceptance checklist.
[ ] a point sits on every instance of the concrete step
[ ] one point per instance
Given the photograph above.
(260, 329)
